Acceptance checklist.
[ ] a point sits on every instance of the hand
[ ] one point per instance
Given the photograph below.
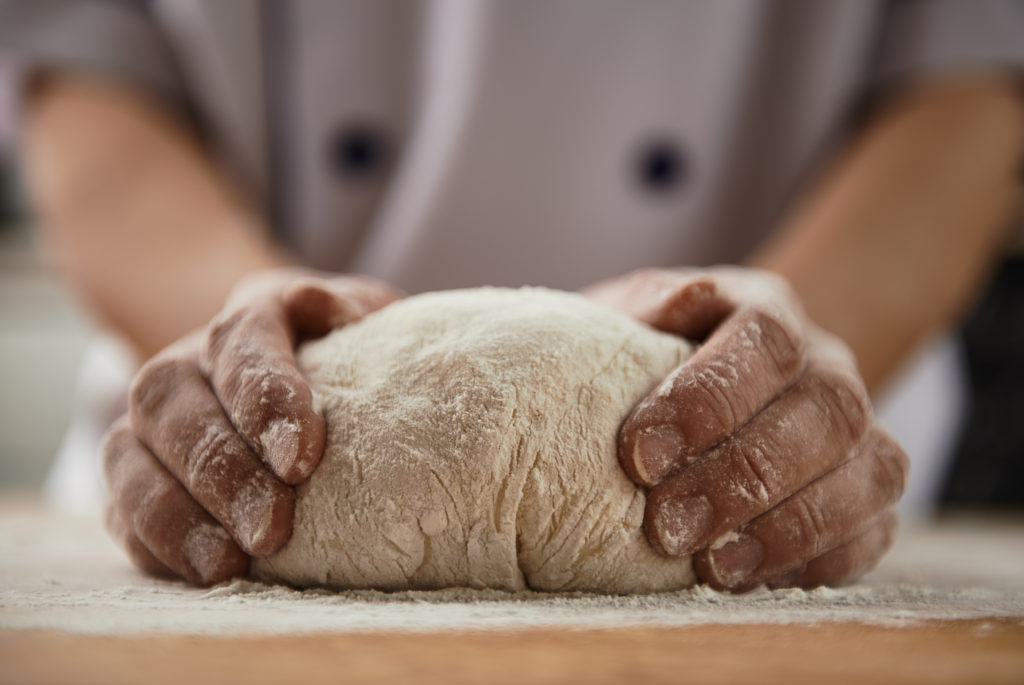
(221, 424)
(761, 453)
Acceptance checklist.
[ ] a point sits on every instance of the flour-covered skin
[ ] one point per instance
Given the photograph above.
(761, 452)
(221, 423)
(472, 441)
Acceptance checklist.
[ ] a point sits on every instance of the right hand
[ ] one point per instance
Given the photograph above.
(760, 453)
(221, 424)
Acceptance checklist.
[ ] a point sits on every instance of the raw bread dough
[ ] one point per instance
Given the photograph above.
(472, 442)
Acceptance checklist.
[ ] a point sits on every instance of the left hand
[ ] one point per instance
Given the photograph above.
(222, 423)
(761, 454)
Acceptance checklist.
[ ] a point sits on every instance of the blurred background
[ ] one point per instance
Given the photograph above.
(44, 334)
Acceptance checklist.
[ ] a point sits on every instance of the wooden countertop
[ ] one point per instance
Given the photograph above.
(947, 605)
(972, 651)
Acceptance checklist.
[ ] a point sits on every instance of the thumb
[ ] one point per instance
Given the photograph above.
(686, 304)
(691, 308)
(314, 306)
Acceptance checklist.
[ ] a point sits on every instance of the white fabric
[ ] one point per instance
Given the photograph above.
(924, 408)
(512, 128)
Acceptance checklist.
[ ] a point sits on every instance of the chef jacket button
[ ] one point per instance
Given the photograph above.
(660, 166)
(358, 151)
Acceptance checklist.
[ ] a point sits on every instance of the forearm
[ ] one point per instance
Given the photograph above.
(145, 228)
(894, 242)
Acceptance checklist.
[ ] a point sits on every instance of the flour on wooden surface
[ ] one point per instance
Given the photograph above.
(64, 573)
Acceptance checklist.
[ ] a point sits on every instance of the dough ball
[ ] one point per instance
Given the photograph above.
(472, 442)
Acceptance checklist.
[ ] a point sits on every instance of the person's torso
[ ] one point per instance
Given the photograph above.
(450, 143)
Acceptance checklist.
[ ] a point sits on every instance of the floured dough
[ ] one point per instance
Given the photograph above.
(472, 442)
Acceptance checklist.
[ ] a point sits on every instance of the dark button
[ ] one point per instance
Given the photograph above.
(661, 165)
(358, 150)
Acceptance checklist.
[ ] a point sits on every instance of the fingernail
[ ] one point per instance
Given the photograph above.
(252, 513)
(658, 450)
(681, 524)
(280, 443)
(735, 560)
(208, 549)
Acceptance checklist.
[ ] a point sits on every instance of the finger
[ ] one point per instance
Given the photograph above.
(137, 553)
(317, 305)
(847, 561)
(176, 416)
(749, 360)
(806, 433)
(165, 519)
(250, 362)
(822, 516)
(672, 301)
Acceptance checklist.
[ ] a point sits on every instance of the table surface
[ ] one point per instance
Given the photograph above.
(947, 605)
(934, 652)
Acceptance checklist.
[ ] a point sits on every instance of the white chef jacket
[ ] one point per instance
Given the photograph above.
(454, 143)
(463, 142)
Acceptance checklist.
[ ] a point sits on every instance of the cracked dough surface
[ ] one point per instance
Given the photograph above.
(472, 442)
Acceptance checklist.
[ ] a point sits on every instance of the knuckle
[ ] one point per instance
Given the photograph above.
(756, 481)
(207, 460)
(254, 384)
(160, 507)
(309, 294)
(208, 553)
(893, 469)
(658, 406)
(143, 559)
(155, 381)
(711, 406)
(261, 392)
(114, 448)
(779, 336)
(845, 402)
(221, 330)
(808, 527)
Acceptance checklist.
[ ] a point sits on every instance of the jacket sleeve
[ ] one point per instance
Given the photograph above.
(114, 39)
(931, 38)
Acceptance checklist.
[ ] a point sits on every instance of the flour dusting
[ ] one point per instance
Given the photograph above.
(472, 442)
(64, 573)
